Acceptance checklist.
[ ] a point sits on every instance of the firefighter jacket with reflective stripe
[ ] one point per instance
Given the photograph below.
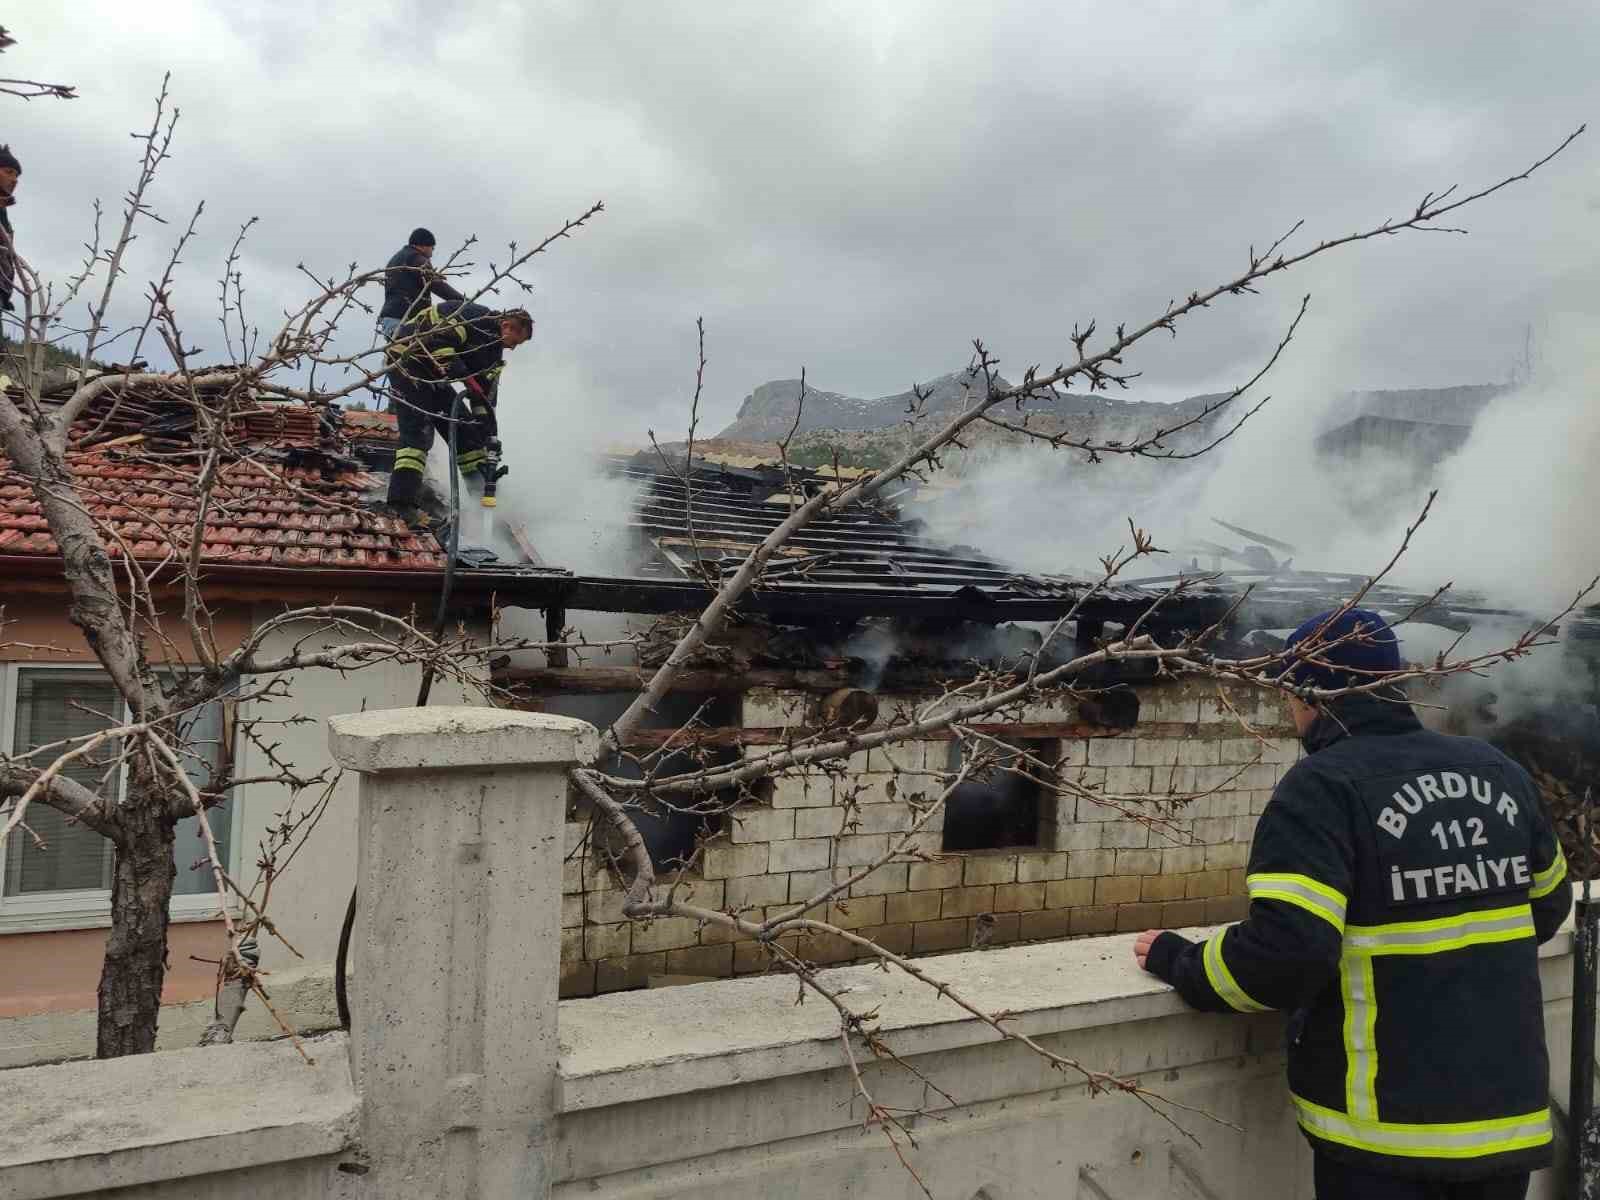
(1400, 884)
(406, 279)
(456, 342)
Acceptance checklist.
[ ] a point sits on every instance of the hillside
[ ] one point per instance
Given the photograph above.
(768, 413)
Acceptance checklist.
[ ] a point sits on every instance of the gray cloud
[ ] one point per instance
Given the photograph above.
(859, 189)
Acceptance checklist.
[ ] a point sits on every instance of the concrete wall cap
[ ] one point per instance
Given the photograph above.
(444, 738)
(78, 1128)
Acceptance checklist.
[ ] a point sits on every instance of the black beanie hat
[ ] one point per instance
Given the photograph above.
(8, 159)
(421, 237)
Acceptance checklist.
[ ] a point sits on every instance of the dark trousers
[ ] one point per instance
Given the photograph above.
(420, 407)
(1340, 1181)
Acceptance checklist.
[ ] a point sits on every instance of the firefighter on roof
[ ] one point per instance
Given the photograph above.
(454, 343)
(1400, 884)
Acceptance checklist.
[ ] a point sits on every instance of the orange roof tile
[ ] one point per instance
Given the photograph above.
(303, 508)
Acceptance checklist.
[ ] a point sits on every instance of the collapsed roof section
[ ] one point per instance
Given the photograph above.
(696, 527)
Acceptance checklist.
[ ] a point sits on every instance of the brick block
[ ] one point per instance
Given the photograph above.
(1068, 893)
(724, 860)
(810, 854)
(1036, 867)
(1182, 913)
(1259, 801)
(1093, 919)
(929, 936)
(1018, 897)
(708, 893)
(805, 884)
(896, 939)
(1111, 752)
(802, 791)
(920, 843)
(715, 934)
(1128, 781)
(1260, 775)
(925, 876)
(892, 818)
(1116, 889)
(751, 957)
(754, 823)
(1212, 831)
(603, 908)
(1177, 860)
(1168, 707)
(1203, 885)
(1074, 752)
(1156, 752)
(756, 891)
(857, 849)
(998, 929)
(1132, 917)
(1124, 835)
(1138, 862)
(1199, 752)
(769, 708)
(574, 833)
(577, 979)
(1089, 863)
(856, 911)
(967, 901)
(1239, 751)
(1075, 835)
(1221, 909)
(1039, 926)
(826, 948)
(865, 789)
(1226, 857)
(571, 945)
(1161, 887)
(665, 933)
(634, 971)
(1281, 751)
(910, 907)
(884, 881)
(571, 877)
(701, 960)
(1236, 882)
(989, 868)
(818, 822)
(571, 911)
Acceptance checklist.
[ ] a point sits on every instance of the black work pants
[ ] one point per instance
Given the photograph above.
(1341, 1181)
(422, 406)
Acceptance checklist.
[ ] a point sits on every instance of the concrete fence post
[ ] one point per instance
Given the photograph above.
(457, 944)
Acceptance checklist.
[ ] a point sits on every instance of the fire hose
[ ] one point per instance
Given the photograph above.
(493, 471)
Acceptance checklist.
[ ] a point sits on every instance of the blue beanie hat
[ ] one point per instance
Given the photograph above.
(1371, 649)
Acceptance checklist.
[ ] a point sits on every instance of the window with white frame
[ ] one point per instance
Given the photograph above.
(67, 880)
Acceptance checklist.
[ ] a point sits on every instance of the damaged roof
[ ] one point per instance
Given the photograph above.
(865, 560)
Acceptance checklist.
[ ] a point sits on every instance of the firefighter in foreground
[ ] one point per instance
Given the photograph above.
(1400, 884)
(448, 344)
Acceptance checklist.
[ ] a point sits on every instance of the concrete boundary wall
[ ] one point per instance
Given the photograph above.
(464, 1077)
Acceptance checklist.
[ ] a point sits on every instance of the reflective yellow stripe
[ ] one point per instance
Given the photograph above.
(407, 459)
(1222, 980)
(1546, 881)
(470, 459)
(1316, 898)
(1440, 935)
(1462, 1139)
(1360, 1037)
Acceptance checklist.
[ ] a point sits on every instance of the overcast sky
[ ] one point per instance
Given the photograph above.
(859, 189)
